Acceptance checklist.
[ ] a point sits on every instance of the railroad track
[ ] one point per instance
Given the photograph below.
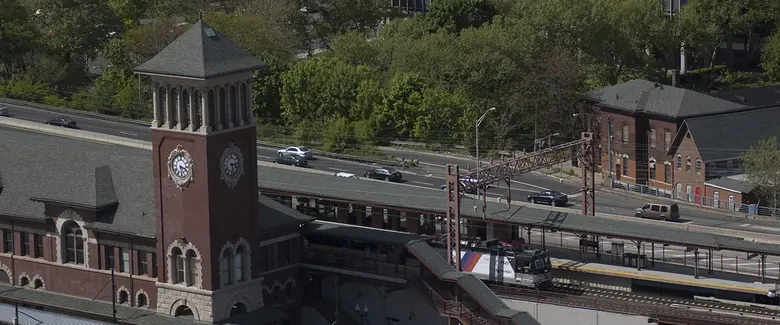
(712, 312)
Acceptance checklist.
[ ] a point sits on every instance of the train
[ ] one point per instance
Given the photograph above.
(503, 263)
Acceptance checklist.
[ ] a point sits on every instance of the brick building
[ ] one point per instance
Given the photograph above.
(706, 155)
(643, 118)
(183, 229)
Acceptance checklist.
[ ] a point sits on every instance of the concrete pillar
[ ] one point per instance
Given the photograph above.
(394, 219)
(360, 214)
(377, 218)
(413, 221)
(342, 212)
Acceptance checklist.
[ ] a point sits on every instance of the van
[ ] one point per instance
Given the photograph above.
(658, 211)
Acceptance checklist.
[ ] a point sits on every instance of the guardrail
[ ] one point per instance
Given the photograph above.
(72, 112)
(398, 162)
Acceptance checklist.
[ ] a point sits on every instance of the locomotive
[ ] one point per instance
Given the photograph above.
(503, 263)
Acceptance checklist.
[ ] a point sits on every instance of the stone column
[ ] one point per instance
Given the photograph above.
(342, 212)
(156, 105)
(205, 125)
(180, 105)
(413, 222)
(167, 100)
(186, 268)
(229, 103)
(192, 115)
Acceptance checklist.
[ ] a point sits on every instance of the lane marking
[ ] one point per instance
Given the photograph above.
(338, 169)
(423, 183)
(128, 133)
(265, 157)
(747, 225)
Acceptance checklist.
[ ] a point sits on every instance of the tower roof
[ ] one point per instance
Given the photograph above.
(200, 53)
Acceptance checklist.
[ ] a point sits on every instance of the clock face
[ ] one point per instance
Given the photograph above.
(180, 167)
(232, 165)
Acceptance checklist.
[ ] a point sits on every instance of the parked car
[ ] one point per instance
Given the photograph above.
(4, 110)
(291, 160)
(385, 173)
(463, 188)
(658, 211)
(345, 175)
(63, 121)
(549, 197)
(304, 152)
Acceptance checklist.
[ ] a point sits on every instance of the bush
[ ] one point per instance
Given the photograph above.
(339, 135)
(53, 100)
(26, 89)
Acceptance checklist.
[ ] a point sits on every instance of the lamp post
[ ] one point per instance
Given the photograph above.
(476, 130)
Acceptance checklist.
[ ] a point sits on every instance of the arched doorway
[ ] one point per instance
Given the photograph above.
(698, 195)
(4, 278)
(237, 309)
(184, 312)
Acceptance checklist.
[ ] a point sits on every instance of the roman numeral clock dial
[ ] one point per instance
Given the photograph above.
(180, 167)
(232, 165)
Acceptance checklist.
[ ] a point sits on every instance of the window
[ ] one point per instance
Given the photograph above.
(652, 137)
(667, 139)
(716, 199)
(679, 162)
(24, 241)
(668, 173)
(664, 209)
(625, 133)
(651, 167)
(143, 264)
(192, 267)
(687, 164)
(625, 166)
(108, 257)
(123, 297)
(8, 241)
(38, 242)
(177, 265)
(698, 166)
(224, 265)
(124, 260)
(238, 263)
(678, 191)
(655, 208)
(140, 301)
(732, 205)
(688, 194)
(74, 244)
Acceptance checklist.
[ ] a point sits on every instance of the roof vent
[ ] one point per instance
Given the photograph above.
(210, 32)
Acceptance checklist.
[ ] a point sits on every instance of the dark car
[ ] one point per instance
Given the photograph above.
(63, 121)
(385, 173)
(4, 111)
(291, 160)
(549, 197)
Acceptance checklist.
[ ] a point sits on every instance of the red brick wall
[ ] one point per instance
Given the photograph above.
(617, 146)
(685, 177)
(659, 126)
(723, 199)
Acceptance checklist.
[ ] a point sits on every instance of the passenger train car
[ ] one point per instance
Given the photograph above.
(493, 261)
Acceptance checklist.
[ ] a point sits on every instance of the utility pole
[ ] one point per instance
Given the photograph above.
(113, 296)
(609, 148)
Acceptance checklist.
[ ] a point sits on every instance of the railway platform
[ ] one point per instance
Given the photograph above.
(568, 268)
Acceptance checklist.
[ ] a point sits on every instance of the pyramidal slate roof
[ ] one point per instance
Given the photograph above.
(200, 52)
(639, 95)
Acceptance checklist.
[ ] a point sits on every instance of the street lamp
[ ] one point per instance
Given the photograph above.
(479, 121)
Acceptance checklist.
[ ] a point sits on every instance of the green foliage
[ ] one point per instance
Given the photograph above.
(762, 167)
(267, 38)
(339, 134)
(341, 16)
(27, 89)
(53, 100)
(770, 58)
(17, 35)
(457, 15)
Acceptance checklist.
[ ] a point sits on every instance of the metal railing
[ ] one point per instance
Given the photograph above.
(726, 202)
(449, 307)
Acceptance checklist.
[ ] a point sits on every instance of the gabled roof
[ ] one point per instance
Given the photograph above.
(756, 96)
(727, 136)
(639, 95)
(200, 53)
(43, 168)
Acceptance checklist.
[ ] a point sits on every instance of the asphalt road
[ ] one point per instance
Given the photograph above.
(432, 175)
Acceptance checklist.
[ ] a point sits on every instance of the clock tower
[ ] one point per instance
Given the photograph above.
(205, 170)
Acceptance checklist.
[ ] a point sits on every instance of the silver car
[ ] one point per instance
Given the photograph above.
(304, 152)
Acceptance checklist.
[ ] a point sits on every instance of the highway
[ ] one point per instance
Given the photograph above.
(431, 174)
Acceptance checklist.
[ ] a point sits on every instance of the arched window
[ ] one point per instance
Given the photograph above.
(224, 265)
(74, 244)
(716, 199)
(678, 191)
(687, 164)
(234, 110)
(625, 165)
(24, 281)
(177, 265)
(173, 111)
(123, 297)
(186, 106)
(192, 267)
(698, 166)
(678, 162)
(688, 193)
(732, 205)
(238, 263)
(223, 109)
(38, 283)
(651, 167)
(140, 301)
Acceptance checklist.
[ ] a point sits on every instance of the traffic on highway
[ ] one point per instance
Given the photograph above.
(430, 173)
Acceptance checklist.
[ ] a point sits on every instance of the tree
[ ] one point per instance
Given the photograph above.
(770, 57)
(129, 11)
(341, 16)
(762, 168)
(266, 93)
(259, 35)
(457, 15)
(19, 38)
(77, 30)
(145, 41)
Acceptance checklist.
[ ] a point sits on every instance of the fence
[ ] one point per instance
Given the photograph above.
(727, 203)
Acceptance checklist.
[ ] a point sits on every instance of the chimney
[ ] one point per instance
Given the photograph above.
(674, 77)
